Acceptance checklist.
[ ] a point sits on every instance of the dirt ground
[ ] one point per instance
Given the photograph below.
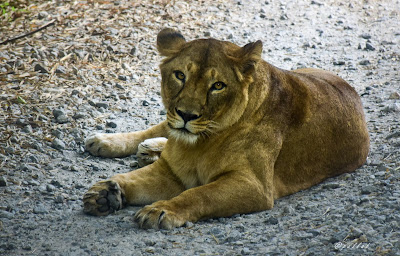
(94, 68)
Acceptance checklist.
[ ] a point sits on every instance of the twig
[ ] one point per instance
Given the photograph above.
(30, 33)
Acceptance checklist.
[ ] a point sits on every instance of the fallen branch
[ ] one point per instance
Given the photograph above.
(28, 34)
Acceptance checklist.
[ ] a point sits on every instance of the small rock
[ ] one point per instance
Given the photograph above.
(57, 133)
(284, 17)
(40, 209)
(59, 199)
(163, 112)
(27, 129)
(123, 78)
(133, 51)
(367, 190)
(119, 86)
(392, 108)
(331, 186)
(272, 221)
(21, 121)
(394, 96)
(369, 47)
(58, 112)
(3, 182)
(246, 251)
(6, 214)
(62, 119)
(40, 68)
(56, 183)
(365, 36)
(288, 210)
(364, 62)
(111, 125)
(58, 144)
(314, 232)
(145, 103)
(79, 115)
(189, 224)
(316, 3)
(61, 70)
(50, 188)
(43, 15)
(339, 63)
(233, 236)
(101, 105)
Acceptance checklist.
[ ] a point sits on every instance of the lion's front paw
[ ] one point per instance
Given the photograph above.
(107, 145)
(150, 150)
(103, 198)
(159, 216)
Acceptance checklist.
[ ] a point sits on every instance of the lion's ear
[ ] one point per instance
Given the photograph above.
(249, 55)
(169, 42)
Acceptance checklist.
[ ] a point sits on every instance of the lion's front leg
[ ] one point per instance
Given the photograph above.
(231, 194)
(122, 144)
(143, 186)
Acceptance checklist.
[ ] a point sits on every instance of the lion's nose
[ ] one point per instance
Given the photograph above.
(187, 116)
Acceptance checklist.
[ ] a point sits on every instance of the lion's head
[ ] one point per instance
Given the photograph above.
(204, 83)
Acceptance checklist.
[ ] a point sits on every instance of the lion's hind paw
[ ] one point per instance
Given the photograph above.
(150, 150)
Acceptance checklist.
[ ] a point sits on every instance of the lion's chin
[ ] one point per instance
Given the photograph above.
(184, 136)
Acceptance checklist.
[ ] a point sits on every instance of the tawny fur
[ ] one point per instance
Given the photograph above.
(265, 134)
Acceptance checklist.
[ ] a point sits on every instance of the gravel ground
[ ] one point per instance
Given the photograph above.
(96, 70)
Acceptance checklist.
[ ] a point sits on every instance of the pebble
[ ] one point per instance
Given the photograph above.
(331, 186)
(62, 119)
(59, 199)
(394, 96)
(119, 86)
(272, 221)
(367, 190)
(58, 144)
(394, 107)
(111, 124)
(145, 103)
(57, 133)
(61, 70)
(40, 209)
(43, 15)
(366, 36)
(369, 47)
(39, 67)
(27, 129)
(3, 181)
(6, 214)
(364, 62)
(339, 63)
(102, 105)
(58, 112)
(123, 78)
(79, 115)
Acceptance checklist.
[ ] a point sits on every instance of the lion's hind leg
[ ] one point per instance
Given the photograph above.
(150, 150)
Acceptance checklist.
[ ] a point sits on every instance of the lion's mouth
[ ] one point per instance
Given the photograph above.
(184, 130)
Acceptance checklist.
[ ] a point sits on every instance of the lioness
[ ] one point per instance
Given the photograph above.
(240, 131)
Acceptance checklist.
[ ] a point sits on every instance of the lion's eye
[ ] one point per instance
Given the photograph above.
(179, 75)
(218, 86)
